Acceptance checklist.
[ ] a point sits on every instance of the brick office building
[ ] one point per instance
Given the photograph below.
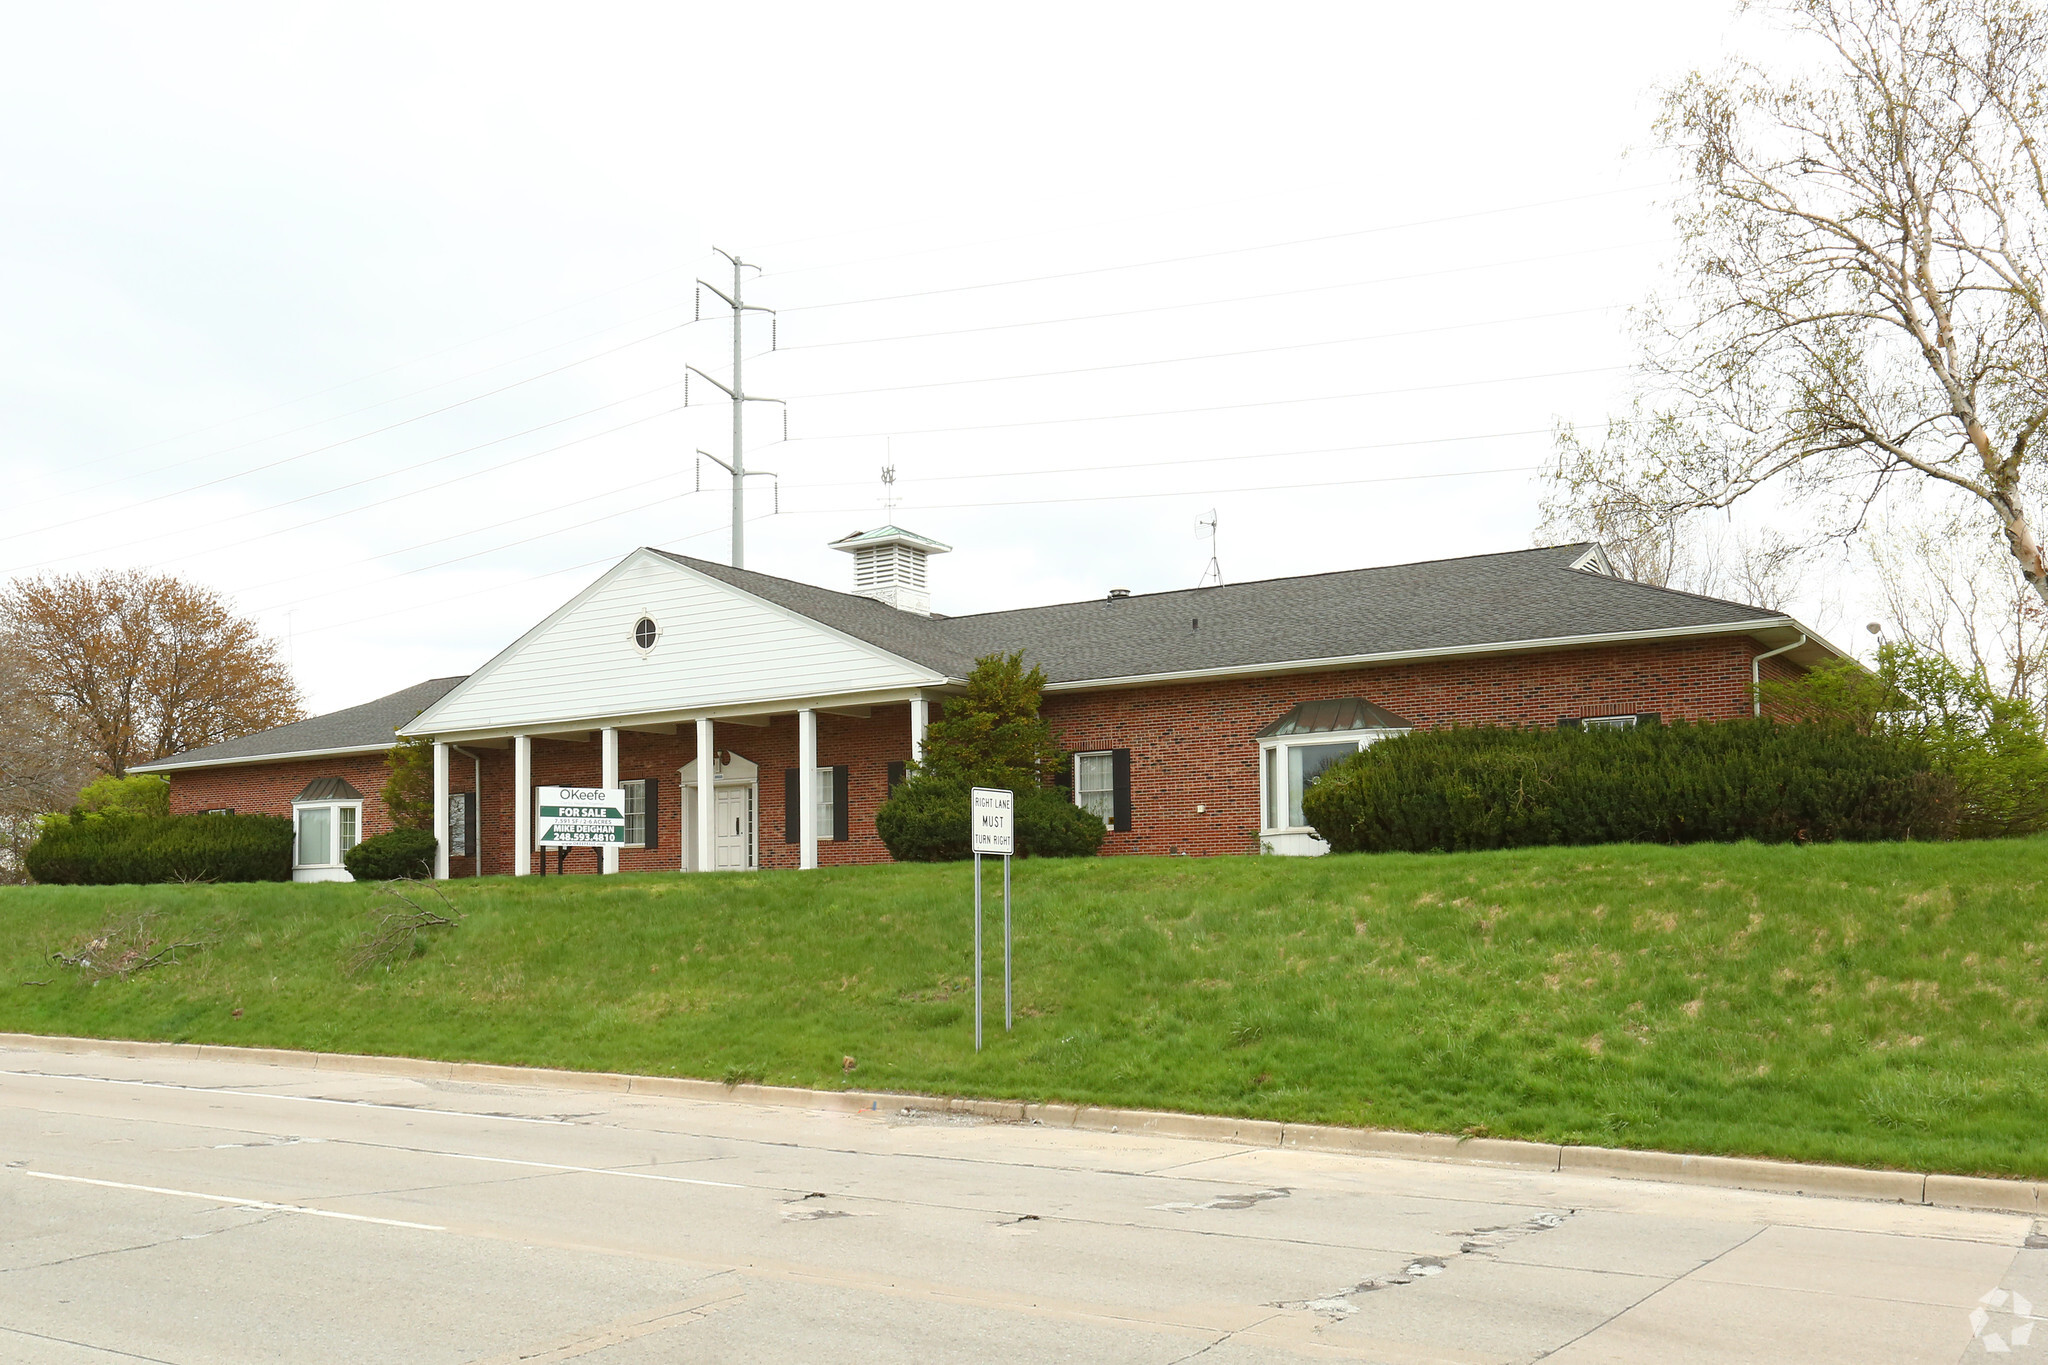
(1195, 718)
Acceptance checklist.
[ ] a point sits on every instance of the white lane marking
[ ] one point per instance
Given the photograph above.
(236, 1201)
(267, 1095)
(551, 1165)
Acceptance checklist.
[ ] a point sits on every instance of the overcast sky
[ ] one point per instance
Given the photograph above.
(374, 317)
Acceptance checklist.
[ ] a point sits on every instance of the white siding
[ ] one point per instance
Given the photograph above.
(718, 646)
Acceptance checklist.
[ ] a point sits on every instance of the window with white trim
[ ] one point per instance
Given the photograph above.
(1095, 784)
(1302, 745)
(827, 821)
(1610, 722)
(635, 834)
(325, 831)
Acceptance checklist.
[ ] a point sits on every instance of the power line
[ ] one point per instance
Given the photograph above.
(355, 412)
(1215, 459)
(1259, 297)
(395, 497)
(458, 559)
(1181, 492)
(1153, 464)
(399, 365)
(1213, 355)
(336, 445)
(1216, 407)
(1228, 251)
(530, 578)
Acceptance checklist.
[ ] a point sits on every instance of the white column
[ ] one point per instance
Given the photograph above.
(920, 716)
(707, 797)
(522, 806)
(440, 810)
(807, 788)
(608, 776)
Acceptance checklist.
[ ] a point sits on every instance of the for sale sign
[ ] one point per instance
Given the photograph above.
(994, 817)
(579, 817)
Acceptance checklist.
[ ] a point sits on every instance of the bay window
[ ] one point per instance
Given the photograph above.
(1298, 748)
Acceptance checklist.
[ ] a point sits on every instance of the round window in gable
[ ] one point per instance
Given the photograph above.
(644, 632)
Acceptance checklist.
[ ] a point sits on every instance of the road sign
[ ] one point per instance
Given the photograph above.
(580, 817)
(994, 813)
(992, 827)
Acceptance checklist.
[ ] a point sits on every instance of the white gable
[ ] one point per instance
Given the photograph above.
(717, 646)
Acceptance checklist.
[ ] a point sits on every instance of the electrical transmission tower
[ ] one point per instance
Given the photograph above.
(737, 392)
(1205, 527)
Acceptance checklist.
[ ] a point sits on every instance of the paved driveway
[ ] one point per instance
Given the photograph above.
(183, 1211)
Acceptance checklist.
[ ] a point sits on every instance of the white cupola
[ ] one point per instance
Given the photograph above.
(888, 565)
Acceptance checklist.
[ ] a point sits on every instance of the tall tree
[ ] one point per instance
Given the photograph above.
(133, 666)
(1864, 255)
(41, 769)
(993, 735)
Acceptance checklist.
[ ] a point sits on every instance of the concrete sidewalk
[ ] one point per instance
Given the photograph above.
(190, 1209)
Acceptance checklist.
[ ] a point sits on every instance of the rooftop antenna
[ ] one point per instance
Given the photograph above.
(737, 392)
(889, 498)
(1205, 527)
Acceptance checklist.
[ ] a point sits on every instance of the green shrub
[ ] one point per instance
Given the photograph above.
(109, 850)
(1463, 789)
(137, 794)
(1989, 742)
(385, 857)
(925, 820)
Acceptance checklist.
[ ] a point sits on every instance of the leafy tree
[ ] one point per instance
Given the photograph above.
(136, 794)
(409, 790)
(993, 736)
(1990, 742)
(1862, 294)
(132, 666)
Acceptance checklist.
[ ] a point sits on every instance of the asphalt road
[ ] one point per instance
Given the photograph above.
(187, 1212)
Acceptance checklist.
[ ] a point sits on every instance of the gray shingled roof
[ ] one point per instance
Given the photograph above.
(1443, 604)
(358, 727)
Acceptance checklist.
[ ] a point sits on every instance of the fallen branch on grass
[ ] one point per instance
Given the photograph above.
(395, 935)
(122, 950)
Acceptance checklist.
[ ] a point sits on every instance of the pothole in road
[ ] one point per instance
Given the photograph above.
(804, 1209)
(1339, 1303)
(1229, 1201)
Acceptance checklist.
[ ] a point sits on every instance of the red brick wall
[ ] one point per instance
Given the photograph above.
(1191, 744)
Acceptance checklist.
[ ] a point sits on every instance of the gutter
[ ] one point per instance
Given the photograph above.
(1756, 675)
(1457, 651)
(168, 766)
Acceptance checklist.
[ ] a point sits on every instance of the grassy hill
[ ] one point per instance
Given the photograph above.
(1876, 1004)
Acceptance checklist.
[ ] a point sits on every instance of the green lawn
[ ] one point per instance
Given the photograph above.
(1876, 1004)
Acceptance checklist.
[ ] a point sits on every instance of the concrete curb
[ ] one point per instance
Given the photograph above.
(1722, 1172)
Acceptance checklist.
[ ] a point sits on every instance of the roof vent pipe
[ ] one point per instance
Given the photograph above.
(1119, 594)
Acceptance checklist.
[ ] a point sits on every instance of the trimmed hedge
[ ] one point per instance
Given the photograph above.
(1463, 789)
(925, 820)
(111, 850)
(391, 855)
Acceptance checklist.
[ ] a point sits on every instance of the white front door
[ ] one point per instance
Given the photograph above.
(732, 837)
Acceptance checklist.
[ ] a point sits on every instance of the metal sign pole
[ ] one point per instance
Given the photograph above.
(977, 952)
(1006, 943)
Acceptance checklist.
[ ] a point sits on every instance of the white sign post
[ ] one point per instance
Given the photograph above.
(580, 817)
(992, 817)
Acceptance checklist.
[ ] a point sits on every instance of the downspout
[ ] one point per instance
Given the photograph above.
(1756, 677)
(478, 786)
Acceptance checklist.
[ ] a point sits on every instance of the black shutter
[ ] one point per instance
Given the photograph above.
(1569, 723)
(792, 798)
(472, 817)
(897, 771)
(1064, 777)
(840, 774)
(650, 801)
(1649, 718)
(1120, 770)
